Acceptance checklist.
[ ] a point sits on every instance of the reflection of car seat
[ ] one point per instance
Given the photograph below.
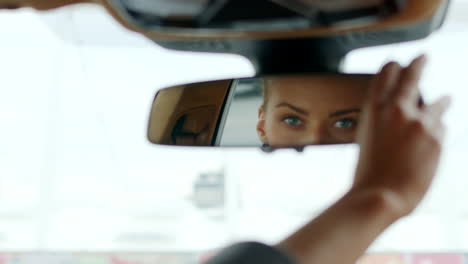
(193, 127)
(187, 114)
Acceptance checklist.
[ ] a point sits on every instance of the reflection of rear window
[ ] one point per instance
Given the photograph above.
(241, 121)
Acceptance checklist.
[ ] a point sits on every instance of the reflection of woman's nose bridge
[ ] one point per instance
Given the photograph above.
(314, 133)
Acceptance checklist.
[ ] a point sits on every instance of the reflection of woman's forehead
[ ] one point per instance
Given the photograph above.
(329, 81)
(340, 110)
(317, 95)
(332, 96)
(292, 107)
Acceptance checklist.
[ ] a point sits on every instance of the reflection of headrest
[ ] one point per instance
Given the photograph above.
(193, 127)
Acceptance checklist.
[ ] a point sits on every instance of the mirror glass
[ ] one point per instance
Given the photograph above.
(270, 112)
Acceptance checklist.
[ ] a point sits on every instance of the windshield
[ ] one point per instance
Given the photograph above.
(78, 174)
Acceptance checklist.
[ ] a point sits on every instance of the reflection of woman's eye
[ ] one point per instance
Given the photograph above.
(345, 123)
(292, 121)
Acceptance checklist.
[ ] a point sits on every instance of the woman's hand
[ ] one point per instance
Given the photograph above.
(400, 140)
(400, 145)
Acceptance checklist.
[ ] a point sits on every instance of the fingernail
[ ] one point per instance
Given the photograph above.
(390, 67)
(447, 100)
(421, 60)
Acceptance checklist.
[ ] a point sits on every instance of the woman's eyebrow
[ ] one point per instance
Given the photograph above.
(344, 112)
(292, 107)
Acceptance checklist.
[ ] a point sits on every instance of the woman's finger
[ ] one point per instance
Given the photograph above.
(436, 110)
(406, 91)
(439, 131)
(383, 82)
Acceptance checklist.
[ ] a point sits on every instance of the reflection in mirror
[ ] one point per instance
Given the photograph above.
(187, 114)
(272, 112)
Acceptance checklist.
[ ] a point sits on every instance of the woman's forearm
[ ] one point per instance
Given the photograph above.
(344, 231)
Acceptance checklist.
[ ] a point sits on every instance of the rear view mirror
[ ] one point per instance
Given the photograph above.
(273, 112)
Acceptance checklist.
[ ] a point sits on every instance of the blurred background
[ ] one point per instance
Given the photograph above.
(77, 173)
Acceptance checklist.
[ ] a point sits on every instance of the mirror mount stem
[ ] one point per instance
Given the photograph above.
(303, 55)
(298, 56)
